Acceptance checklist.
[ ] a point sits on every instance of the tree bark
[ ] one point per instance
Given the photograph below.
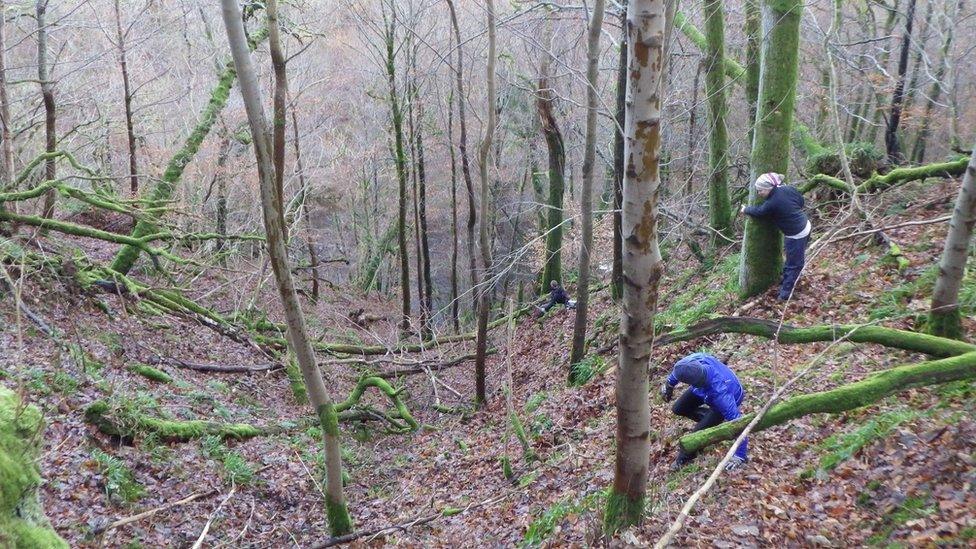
(586, 192)
(484, 300)
(301, 347)
(7, 165)
(47, 93)
(396, 115)
(762, 246)
(944, 317)
(889, 26)
(847, 397)
(720, 210)
(545, 99)
(643, 266)
(463, 151)
(455, 315)
(892, 146)
(616, 279)
(313, 256)
(279, 100)
(120, 37)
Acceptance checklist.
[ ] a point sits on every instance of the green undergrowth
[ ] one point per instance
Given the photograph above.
(898, 301)
(543, 525)
(120, 484)
(840, 447)
(586, 369)
(235, 467)
(913, 507)
(703, 298)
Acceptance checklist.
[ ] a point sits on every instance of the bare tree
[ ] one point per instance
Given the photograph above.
(50, 120)
(338, 514)
(121, 36)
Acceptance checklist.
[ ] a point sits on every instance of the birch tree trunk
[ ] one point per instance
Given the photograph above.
(720, 211)
(642, 263)
(484, 301)
(762, 258)
(944, 318)
(586, 196)
(338, 514)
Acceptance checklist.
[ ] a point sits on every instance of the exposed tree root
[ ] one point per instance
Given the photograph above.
(889, 337)
(847, 397)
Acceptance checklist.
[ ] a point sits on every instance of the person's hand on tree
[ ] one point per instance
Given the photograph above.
(734, 463)
(667, 392)
(742, 209)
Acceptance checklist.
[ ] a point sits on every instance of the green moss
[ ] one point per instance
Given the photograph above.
(151, 373)
(340, 523)
(702, 299)
(506, 468)
(22, 520)
(131, 420)
(533, 402)
(621, 511)
(296, 381)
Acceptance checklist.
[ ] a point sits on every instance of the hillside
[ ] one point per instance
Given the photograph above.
(900, 472)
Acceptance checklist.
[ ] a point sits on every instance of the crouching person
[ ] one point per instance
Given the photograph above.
(714, 396)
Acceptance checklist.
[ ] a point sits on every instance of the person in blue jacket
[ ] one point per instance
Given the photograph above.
(784, 208)
(714, 396)
(557, 296)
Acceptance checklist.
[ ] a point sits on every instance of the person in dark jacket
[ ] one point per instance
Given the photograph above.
(557, 295)
(714, 396)
(784, 208)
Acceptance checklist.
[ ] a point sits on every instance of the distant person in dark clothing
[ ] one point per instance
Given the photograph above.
(557, 295)
(784, 208)
(714, 396)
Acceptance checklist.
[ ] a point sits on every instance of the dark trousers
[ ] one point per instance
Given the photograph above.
(795, 258)
(692, 406)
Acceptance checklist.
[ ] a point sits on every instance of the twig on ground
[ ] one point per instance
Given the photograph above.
(137, 517)
(206, 527)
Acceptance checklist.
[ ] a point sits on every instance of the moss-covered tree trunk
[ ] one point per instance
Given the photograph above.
(616, 278)
(944, 317)
(545, 99)
(720, 211)
(22, 520)
(643, 266)
(586, 192)
(752, 62)
(762, 247)
(338, 514)
(50, 111)
(165, 187)
(841, 399)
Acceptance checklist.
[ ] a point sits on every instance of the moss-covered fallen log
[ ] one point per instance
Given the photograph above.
(127, 421)
(842, 399)
(162, 193)
(889, 337)
(880, 182)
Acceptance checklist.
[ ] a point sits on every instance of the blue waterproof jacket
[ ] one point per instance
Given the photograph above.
(715, 384)
(784, 207)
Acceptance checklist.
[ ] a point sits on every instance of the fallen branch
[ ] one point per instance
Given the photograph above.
(219, 368)
(135, 518)
(878, 182)
(206, 527)
(941, 219)
(841, 399)
(889, 337)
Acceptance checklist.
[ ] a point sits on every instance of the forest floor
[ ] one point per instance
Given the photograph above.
(899, 472)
